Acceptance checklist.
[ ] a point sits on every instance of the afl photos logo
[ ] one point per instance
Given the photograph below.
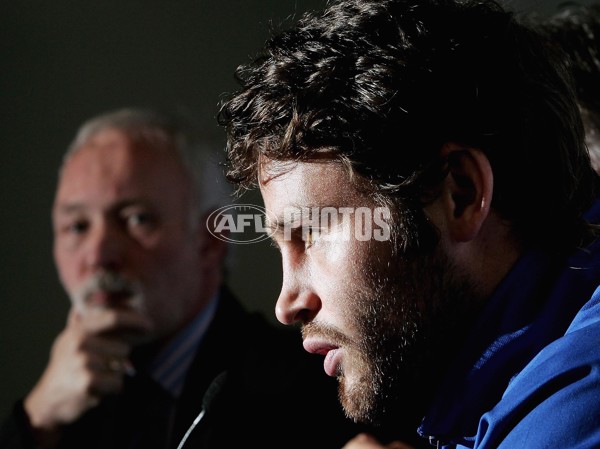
(239, 223)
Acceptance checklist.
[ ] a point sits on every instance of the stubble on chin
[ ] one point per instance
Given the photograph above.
(358, 386)
(357, 377)
(410, 324)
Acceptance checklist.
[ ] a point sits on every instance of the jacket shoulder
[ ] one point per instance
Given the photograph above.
(554, 399)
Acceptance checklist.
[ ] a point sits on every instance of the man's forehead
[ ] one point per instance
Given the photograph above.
(274, 169)
(105, 137)
(308, 184)
(109, 170)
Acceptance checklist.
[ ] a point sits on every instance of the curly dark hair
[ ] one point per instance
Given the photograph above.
(383, 84)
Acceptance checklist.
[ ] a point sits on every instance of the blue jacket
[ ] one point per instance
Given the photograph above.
(529, 376)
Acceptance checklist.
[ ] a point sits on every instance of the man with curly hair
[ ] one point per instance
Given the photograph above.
(427, 251)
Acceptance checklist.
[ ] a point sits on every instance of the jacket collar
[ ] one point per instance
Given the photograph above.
(532, 307)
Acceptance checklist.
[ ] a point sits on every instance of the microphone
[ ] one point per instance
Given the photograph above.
(208, 400)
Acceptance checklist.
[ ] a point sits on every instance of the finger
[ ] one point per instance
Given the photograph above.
(99, 369)
(120, 366)
(107, 320)
(105, 383)
(398, 445)
(73, 317)
(107, 364)
(106, 347)
(117, 366)
(110, 362)
(363, 441)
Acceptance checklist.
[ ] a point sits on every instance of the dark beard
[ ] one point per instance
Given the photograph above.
(414, 319)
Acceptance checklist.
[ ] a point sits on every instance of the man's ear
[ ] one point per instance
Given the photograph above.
(467, 191)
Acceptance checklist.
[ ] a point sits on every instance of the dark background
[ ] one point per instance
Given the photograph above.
(64, 61)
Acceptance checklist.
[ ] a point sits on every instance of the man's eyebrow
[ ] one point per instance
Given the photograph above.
(282, 222)
(70, 208)
(77, 206)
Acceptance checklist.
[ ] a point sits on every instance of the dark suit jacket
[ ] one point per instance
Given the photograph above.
(274, 395)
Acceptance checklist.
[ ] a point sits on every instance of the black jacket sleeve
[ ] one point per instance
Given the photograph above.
(15, 430)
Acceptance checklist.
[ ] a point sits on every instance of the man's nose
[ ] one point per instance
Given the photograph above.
(105, 248)
(297, 300)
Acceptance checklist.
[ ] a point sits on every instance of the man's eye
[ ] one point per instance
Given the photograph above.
(310, 236)
(139, 219)
(76, 227)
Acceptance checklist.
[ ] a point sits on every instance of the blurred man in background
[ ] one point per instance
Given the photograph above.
(152, 322)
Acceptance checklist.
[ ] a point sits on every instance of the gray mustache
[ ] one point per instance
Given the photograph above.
(109, 282)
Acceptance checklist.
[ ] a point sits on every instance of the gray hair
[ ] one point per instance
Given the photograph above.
(167, 130)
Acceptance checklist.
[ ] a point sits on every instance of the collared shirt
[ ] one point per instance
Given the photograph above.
(170, 367)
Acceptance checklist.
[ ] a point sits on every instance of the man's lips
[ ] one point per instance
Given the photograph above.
(331, 352)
